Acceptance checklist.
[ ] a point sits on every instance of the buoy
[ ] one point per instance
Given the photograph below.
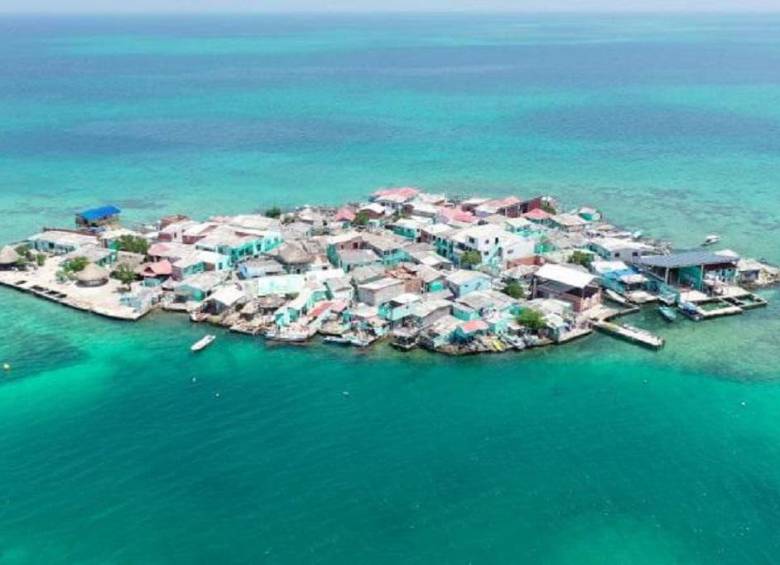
(6, 366)
(216, 394)
(345, 393)
(194, 380)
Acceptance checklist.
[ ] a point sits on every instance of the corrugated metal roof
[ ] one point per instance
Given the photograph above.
(685, 259)
(100, 213)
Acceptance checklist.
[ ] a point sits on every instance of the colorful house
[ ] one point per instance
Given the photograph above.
(463, 282)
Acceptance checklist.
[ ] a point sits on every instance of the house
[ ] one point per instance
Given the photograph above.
(407, 228)
(373, 211)
(538, 216)
(98, 217)
(454, 216)
(481, 303)
(428, 311)
(60, 242)
(394, 198)
(441, 332)
(381, 291)
(494, 245)
(389, 249)
(623, 279)
(96, 254)
(571, 223)
(467, 331)
(226, 241)
(578, 288)
(340, 288)
(278, 285)
(695, 269)
(294, 256)
(429, 232)
(509, 206)
(367, 273)
(351, 240)
(462, 282)
(618, 249)
(261, 267)
(399, 307)
(199, 287)
(350, 259)
(432, 279)
(224, 298)
(155, 272)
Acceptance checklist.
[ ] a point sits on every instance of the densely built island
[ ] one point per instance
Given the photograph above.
(454, 275)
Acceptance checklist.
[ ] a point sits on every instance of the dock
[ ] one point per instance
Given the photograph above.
(631, 334)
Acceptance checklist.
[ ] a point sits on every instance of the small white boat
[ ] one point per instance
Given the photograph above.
(615, 297)
(711, 239)
(202, 343)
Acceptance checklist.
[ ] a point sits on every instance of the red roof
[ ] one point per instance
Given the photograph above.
(474, 326)
(537, 214)
(319, 309)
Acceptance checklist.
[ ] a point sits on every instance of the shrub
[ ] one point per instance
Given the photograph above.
(514, 289)
(581, 258)
(133, 244)
(75, 265)
(361, 218)
(470, 259)
(273, 212)
(531, 319)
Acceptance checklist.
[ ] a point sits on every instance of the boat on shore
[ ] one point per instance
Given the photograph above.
(667, 313)
(615, 297)
(202, 343)
(336, 339)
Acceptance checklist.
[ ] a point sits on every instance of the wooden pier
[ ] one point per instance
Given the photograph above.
(631, 334)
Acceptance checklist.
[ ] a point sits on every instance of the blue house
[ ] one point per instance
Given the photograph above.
(462, 282)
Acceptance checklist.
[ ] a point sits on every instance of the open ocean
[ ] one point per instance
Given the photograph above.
(118, 446)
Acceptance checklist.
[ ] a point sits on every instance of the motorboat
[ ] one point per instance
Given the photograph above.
(711, 239)
(667, 313)
(202, 343)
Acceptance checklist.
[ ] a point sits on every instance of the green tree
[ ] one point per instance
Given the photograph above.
(125, 275)
(470, 259)
(24, 252)
(514, 289)
(133, 244)
(581, 258)
(273, 212)
(549, 208)
(531, 319)
(75, 265)
(361, 218)
(40, 259)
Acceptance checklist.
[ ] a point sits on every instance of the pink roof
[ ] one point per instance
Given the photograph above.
(404, 192)
(345, 215)
(159, 268)
(508, 201)
(456, 214)
(537, 214)
(158, 249)
(338, 306)
(474, 326)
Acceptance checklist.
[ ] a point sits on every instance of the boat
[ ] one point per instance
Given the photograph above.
(337, 339)
(615, 297)
(711, 239)
(667, 313)
(202, 343)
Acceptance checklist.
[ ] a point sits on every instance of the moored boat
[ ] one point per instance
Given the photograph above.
(615, 297)
(202, 343)
(667, 313)
(711, 239)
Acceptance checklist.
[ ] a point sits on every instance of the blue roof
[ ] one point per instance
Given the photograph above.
(101, 213)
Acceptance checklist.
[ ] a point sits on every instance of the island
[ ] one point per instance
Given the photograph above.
(455, 275)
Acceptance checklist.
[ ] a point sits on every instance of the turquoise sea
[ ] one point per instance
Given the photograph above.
(119, 446)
